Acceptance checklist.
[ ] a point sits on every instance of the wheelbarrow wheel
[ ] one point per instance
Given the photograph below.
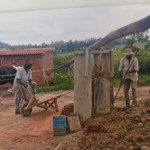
(27, 112)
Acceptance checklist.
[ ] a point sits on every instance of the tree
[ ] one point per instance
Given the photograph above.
(137, 37)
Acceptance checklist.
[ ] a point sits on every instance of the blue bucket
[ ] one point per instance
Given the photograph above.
(60, 125)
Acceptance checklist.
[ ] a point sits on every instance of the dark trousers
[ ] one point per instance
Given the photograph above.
(127, 84)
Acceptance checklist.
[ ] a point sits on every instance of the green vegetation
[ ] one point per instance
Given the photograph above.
(60, 46)
(55, 88)
(62, 58)
(63, 80)
(144, 80)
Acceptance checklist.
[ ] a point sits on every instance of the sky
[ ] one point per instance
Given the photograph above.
(38, 26)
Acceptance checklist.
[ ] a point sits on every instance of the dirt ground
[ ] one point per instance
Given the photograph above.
(119, 130)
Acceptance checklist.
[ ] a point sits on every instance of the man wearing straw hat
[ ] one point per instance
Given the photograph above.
(128, 72)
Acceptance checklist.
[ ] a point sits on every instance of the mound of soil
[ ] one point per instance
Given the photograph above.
(67, 110)
(120, 130)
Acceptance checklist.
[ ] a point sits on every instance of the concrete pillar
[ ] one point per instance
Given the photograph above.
(83, 87)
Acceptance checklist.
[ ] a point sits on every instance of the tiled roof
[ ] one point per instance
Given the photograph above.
(26, 51)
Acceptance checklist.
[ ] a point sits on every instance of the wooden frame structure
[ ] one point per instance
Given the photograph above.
(93, 75)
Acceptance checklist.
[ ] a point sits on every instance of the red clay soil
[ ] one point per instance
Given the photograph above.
(120, 130)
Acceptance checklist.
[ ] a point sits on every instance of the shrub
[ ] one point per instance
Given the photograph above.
(144, 80)
(63, 78)
(144, 62)
(60, 58)
(62, 81)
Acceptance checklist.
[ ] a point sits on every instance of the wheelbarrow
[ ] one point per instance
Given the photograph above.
(29, 100)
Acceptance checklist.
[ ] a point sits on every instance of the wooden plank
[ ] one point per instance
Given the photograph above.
(46, 96)
(105, 61)
(95, 86)
(111, 62)
(86, 68)
(49, 97)
(112, 82)
(101, 84)
(102, 95)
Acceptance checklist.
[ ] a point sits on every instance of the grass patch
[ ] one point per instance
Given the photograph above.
(54, 88)
(144, 80)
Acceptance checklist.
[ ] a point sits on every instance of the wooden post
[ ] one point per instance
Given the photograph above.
(112, 81)
(95, 83)
(102, 84)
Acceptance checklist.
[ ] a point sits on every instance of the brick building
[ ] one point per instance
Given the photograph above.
(42, 58)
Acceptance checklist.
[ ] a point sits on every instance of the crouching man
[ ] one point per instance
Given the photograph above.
(23, 77)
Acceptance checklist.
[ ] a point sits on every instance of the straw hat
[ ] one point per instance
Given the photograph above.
(128, 52)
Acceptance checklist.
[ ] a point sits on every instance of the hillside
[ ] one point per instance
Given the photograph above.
(4, 45)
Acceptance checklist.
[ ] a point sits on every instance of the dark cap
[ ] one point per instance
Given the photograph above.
(28, 62)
